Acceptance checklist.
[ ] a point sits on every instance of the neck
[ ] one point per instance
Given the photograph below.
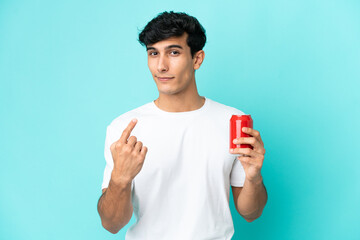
(174, 103)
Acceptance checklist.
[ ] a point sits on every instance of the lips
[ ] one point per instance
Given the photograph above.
(164, 79)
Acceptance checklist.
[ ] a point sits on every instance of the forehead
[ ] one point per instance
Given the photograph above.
(171, 41)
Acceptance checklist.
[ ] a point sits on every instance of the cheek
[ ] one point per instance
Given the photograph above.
(185, 69)
(151, 67)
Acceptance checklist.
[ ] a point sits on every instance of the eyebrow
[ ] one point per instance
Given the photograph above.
(170, 46)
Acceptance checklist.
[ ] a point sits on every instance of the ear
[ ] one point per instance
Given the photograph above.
(198, 59)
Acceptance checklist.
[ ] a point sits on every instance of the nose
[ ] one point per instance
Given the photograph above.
(162, 65)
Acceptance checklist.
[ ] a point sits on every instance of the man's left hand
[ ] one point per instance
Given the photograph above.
(251, 159)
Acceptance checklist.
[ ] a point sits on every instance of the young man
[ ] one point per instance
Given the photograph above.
(177, 179)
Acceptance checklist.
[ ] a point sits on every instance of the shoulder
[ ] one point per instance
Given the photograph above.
(126, 117)
(225, 109)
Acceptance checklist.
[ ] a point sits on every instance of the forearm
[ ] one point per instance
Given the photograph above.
(252, 200)
(115, 207)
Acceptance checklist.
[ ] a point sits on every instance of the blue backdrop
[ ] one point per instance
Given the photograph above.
(68, 68)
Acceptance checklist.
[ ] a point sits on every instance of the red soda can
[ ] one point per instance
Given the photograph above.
(237, 122)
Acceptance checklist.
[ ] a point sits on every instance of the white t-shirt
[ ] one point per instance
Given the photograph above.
(182, 190)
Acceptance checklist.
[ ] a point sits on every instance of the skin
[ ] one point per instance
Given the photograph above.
(250, 199)
(114, 206)
(251, 159)
(172, 58)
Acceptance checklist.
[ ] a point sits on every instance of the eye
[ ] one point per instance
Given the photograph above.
(175, 52)
(151, 53)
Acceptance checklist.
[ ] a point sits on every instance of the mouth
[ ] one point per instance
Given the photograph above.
(164, 79)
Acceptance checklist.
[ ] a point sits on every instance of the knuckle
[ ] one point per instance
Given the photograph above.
(247, 151)
(134, 154)
(133, 138)
(143, 151)
(252, 140)
(112, 146)
(118, 145)
(127, 149)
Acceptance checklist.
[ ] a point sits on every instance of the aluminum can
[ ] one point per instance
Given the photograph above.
(237, 122)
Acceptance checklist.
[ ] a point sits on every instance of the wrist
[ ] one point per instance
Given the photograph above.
(119, 179)
(118, 186)
(256, 180)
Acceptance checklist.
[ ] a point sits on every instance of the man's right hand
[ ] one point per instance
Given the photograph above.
(128, 156)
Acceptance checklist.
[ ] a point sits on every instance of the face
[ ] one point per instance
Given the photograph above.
(172, 66)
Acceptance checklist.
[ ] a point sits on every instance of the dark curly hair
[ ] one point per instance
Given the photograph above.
(174, 24)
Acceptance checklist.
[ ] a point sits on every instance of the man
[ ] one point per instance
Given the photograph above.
(177, 179)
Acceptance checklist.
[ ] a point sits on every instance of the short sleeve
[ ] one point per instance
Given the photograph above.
(108, 158)
(110, 138)
(237, 175)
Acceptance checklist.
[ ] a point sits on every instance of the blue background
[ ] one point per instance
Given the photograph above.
(68, 68)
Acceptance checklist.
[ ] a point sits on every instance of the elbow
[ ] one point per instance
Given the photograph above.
(250, 219)
(111, 228)
(111, 225)
(113, 231)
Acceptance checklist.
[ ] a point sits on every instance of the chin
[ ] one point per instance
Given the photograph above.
(167, 92)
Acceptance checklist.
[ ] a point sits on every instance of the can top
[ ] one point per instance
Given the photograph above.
(241, 117)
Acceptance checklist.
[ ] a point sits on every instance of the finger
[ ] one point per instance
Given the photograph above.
(247, 152)
(247, 160)
(243, 151)
(132, 141)
(248, 140)
(138, 146)
(253, 132)
(256, 155)
(143, 151)
(255, 158)
(127, 131)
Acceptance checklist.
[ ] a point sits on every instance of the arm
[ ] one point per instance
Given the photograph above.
(250, 199)
(115, 207)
